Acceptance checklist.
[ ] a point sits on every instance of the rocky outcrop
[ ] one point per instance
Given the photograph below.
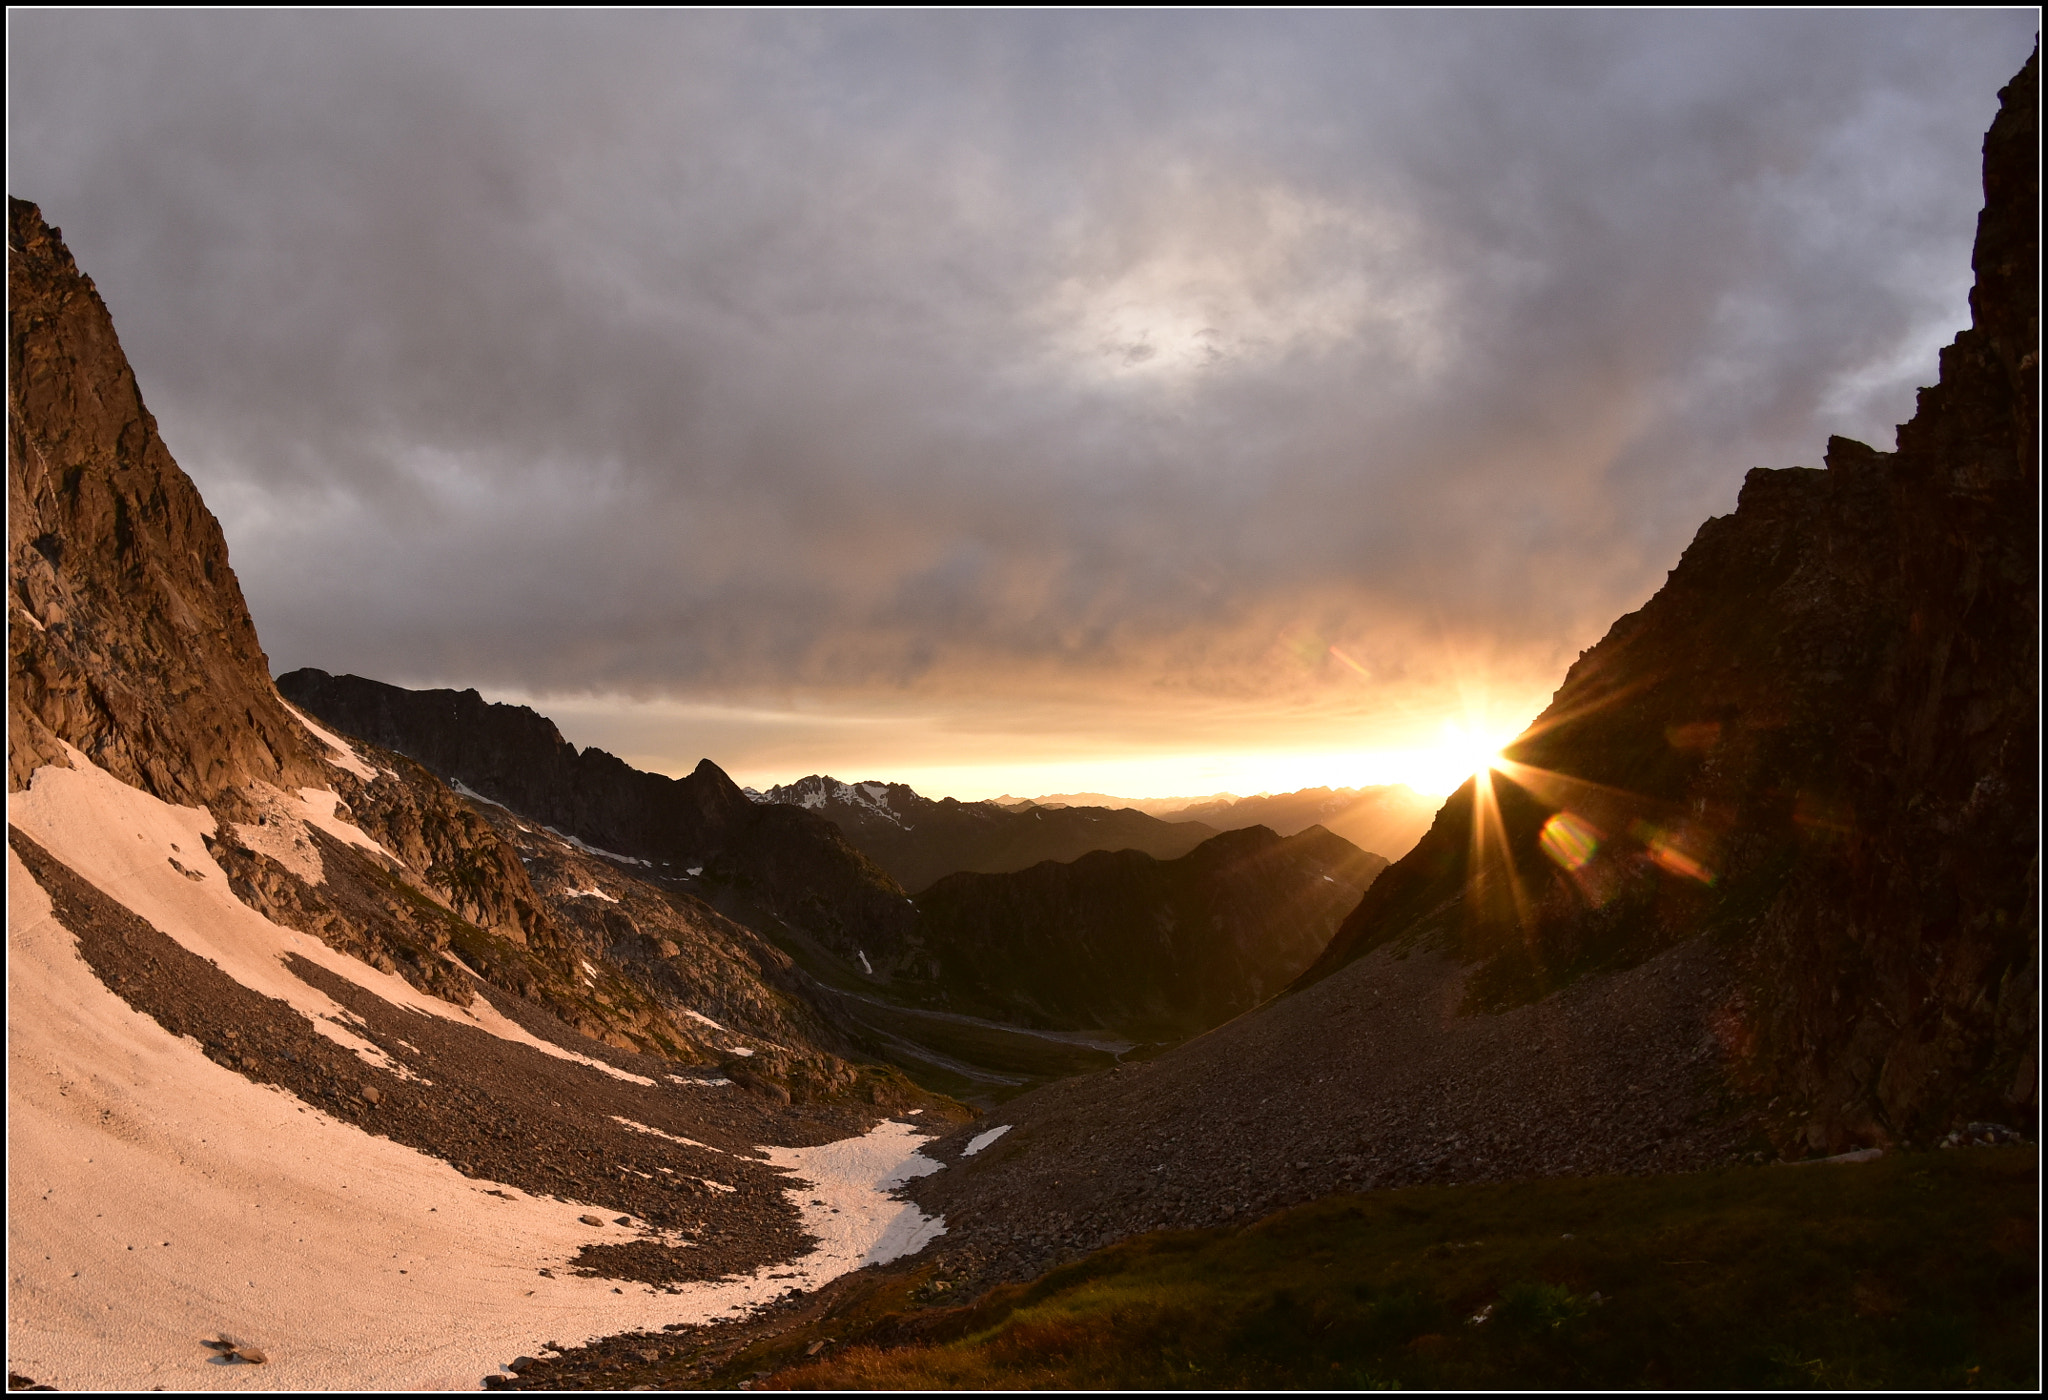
(1117, 941)
(786, 861)
(127, 634)
(918, 840)
(1817, 743)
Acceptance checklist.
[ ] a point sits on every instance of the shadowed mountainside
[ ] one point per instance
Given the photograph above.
(1818, 741)
(1387, 820)
(1118, 941)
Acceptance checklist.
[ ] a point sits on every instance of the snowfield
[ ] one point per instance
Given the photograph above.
(157, 1199)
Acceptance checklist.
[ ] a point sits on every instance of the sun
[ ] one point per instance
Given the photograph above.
(1460, 752)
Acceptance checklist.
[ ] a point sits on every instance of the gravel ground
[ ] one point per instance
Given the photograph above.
(1371, 1078)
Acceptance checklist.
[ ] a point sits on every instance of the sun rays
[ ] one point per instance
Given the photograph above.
(1594, 839)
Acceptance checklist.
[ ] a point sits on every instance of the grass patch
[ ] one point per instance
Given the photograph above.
(1917, 1270)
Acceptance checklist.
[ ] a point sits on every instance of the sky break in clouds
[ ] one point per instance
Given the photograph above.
(1137, 401)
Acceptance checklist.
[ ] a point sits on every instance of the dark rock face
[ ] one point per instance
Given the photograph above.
(1118, 941)
(1818, 742)
(918, 840)
(127, 634)
(795, 864)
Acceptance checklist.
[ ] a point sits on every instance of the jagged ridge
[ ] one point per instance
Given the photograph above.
(793, 862)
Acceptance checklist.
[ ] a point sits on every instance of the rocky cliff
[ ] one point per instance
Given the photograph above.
(1818, 744)
(791, 863)
(127, 634)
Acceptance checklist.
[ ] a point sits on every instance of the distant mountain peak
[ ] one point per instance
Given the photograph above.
(819, 791)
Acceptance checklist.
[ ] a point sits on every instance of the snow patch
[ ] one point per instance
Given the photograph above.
(591, 850)
(316, 808)
(702, 1019)
(656, 1132)
(865, 965)
(846, 1191)
(981, 1140)
(281, 835)
(342, 755)
(592, 893)
(465, 790)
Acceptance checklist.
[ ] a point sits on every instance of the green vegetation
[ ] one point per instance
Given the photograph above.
(1917, 1270)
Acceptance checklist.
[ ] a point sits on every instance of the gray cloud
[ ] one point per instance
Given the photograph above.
(702, 354)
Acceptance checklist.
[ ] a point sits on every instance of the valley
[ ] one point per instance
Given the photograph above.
(365, 1036)
(982, 984)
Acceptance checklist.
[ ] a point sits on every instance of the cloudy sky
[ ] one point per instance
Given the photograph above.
(1140, 402)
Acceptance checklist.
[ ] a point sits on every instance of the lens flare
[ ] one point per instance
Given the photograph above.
(1339, 654)
(1668, 850)
(1570, 840)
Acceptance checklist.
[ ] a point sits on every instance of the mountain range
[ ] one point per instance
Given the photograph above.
(1153, 949)
(918, 840)
(1387, 819)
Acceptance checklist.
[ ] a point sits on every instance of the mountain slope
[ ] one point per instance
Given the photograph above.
(1120, 942)
(918, 840)
(1819, 739)
(791, 862)
(297, 1046)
